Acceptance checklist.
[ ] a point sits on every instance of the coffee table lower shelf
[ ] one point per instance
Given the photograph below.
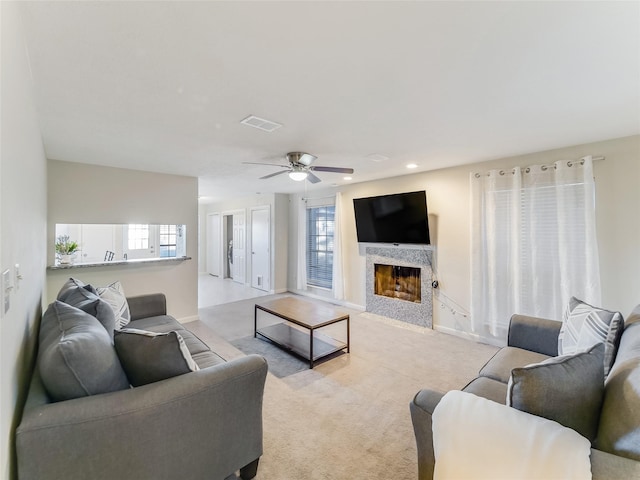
(298, 342)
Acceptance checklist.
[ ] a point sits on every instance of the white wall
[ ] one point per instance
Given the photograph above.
(82, 193)
(23, 208)
(448, 197)
(279, 205)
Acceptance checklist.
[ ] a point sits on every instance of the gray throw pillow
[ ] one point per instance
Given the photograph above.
(76, 357)
(149, 357)
(88, 300)
(70, 284)
(620, 416)
(584, 325)
(567, 389)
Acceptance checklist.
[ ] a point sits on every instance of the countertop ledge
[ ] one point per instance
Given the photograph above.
(119, 263)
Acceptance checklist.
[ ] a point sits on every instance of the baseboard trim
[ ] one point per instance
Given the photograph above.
(191, 318)
(469, 336)
(354, 306)
(458, 333)
(333, 301)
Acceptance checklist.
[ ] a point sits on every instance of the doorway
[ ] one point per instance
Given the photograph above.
(228, 246)
(234, 237)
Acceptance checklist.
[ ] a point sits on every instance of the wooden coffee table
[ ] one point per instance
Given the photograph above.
(304, 341)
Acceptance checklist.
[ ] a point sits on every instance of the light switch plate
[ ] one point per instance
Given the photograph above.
(17, 276)
(6, 290)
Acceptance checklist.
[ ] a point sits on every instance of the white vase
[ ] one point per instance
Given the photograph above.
(66, 259)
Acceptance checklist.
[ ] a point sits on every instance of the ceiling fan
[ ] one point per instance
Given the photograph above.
(300, 167)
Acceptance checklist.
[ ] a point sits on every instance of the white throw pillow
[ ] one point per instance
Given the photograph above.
(114, 295)
(584, 325)
(475, 438)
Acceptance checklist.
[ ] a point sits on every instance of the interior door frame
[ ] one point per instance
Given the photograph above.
(210, 246)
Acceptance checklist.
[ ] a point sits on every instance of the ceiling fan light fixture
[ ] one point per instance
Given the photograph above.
(298, 175)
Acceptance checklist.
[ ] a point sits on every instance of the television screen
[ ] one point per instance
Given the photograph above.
(398, 218)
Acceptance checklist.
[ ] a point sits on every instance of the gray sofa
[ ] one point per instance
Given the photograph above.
(616, 450)
(206, 424)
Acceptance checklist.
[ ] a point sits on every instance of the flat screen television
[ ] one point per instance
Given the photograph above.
(397, 218)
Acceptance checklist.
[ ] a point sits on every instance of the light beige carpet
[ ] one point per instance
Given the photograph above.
(348, 418)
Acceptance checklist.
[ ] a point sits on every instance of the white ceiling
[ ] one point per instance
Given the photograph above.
(162, 86)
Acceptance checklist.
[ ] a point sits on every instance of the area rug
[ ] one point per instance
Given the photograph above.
(281, 363)
(348, 417)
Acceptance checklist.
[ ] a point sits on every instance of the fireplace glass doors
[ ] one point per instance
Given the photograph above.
(397, 282)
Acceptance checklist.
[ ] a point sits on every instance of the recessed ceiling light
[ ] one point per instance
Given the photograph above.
(347, 178)
(412, 165)
(261, 123)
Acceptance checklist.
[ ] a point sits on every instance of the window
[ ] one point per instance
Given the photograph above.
(533, 243)
(320, 229)
(168, 236)
(544, 264)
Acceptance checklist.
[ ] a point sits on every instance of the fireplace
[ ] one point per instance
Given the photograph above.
(395, 281)
(398, 284)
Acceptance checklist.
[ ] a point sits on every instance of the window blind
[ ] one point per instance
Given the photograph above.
(530, 230)
(320, 231)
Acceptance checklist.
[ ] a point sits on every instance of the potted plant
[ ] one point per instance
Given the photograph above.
(66, 249)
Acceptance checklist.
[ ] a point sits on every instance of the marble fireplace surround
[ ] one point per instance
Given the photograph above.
(414, 313)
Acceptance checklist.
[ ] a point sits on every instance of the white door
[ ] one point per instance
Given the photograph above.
(213, 244)
(260, 258)
(141, 241)
(97, 243)
(239, 247)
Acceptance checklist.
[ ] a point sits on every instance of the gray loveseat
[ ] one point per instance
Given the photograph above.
(616, 450)
(205, 424)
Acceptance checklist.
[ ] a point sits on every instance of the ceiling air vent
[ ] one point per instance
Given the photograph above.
(261, 123)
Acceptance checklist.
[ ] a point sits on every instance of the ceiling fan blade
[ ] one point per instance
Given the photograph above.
(312, 178)
(268, 164)
(272, 174)
(332, 169)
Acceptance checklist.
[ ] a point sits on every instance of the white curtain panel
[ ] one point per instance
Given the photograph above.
(302, 244)
(533, 243)
(338, 273)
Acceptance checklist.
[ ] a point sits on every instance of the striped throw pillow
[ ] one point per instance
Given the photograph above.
(114, 295)
(584, 325)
